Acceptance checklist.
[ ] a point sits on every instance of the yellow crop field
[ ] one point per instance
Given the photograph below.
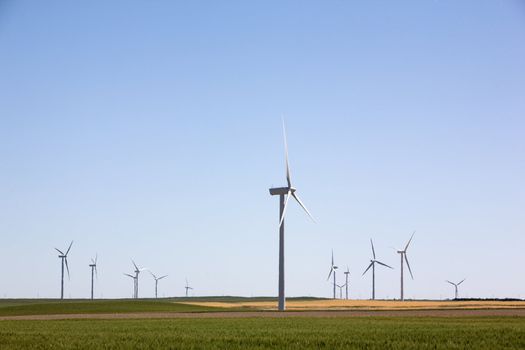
(365, 305)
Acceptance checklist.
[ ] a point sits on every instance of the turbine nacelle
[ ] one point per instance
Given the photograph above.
(277, 191)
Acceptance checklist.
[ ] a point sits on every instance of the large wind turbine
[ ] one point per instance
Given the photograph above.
(64, 261)
(347, 273)
(373, 266)
(456, 287)
(187, 287)
(157, 279)
(284, 194)
(403, 255)
(93, 266)
(332, 270)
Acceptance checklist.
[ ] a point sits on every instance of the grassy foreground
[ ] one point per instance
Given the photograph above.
(266, 333)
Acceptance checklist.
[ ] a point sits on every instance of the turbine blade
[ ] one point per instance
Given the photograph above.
(163, 277)
(288, 176)
(330, 274)
(368, 268)
(410, 240)
(67, 268)
(332, 257)
(155, 277)
(302, 205)
(136, 267)
(373, 250)
(58, 250)
(452, 283)
(461, 281)
(127, 274)
(408, 265)
(70, 244)
(285, 207)
(380, 263)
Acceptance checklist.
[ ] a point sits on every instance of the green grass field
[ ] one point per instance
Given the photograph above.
(51, 307)
(266, 333)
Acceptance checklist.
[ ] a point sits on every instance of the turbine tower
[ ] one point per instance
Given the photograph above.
(373, 266)
(187, 287)
(64, 261)
(456, 287)
(157, 279)
(93, 266)
(403, 255)
(284, 194)
(332, 269)
(347, 273)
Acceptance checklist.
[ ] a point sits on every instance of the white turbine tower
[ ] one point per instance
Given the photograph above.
(157, 279)
(372, 265)
(333, 269)
(403, 254)
(64, 261)
(284, 194)
(456, 287)
(93, 266)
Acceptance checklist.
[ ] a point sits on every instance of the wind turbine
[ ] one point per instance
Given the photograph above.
(157, 279)
(373, 266)
(187, 287)
(64, 261)
(284, 194)
(456, 287)
(137, 272)
(332, 269)
(403, 254)
(347, 273)
(341, 290)
(93, 266)
(134, 283)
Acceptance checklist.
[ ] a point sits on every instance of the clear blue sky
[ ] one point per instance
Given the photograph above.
(151, 130)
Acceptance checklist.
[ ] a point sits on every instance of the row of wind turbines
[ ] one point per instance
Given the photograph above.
(372, 265)
(94, 272)
(284, 193)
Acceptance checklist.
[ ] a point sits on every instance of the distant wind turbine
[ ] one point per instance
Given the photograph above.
(134, 283)
(403, 254)
(284, 194)
(187, 287)
(157, 279)
(347, 273)
(456, 287)
(341, 290)
(64, 261)
(93, 266)
(373, 266)
(333, 269)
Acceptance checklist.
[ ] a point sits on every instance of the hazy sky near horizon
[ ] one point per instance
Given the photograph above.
(152, 130)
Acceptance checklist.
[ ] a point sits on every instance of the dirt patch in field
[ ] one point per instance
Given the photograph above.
(276, 314)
